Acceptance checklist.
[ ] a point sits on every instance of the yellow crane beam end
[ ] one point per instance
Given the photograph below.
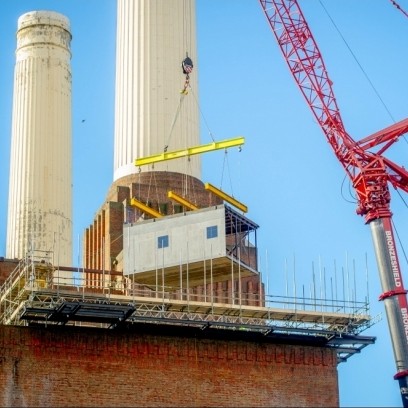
(136, 203)
(226, 197)
(223, 144)
(181, 200)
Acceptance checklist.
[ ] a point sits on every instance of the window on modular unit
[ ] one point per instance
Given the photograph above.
(163, 241)
(212, 232)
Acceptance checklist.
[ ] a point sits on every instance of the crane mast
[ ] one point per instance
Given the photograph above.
(369, 171)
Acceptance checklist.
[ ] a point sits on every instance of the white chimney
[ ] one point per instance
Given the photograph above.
(153, 38)
(40, 208)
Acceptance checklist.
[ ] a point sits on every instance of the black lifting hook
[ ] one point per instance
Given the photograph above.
(187, 65)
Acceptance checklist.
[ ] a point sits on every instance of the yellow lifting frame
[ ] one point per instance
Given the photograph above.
(223, 144)
(181, 200)
(226, 197)
(145, 208)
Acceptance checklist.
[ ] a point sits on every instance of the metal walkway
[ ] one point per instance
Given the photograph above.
(37, 293)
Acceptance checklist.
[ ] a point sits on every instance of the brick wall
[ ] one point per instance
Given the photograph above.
(6, 267)
(68, 366)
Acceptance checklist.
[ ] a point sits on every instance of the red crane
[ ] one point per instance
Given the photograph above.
(369, 171)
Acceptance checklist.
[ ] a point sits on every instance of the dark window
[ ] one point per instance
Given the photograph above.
(163, 208)
(178, 208)
(212, 232)
(163, 242)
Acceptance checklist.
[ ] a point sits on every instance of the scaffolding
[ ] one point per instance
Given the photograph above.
(36, 292)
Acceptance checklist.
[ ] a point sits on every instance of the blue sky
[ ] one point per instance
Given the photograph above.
(286, 172)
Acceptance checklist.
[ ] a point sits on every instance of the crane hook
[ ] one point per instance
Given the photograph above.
(187, 66)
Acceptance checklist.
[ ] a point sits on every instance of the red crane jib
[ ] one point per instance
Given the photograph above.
(369, 171)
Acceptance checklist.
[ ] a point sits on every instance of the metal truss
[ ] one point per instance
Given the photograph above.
(31, 296)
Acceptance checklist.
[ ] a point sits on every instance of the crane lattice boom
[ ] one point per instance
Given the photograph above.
(369, 171)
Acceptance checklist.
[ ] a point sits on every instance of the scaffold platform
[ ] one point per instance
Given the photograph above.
(36, 294)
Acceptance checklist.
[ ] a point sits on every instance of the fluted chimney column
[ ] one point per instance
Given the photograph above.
(40, 208)
(153, 38)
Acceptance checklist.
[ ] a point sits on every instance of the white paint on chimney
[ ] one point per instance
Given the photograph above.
(40, 191)
(153, 37)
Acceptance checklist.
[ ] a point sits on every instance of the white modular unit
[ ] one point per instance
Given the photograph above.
(153, 38)
(175, 240)
(39, 208)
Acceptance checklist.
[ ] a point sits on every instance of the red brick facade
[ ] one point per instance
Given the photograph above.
(67, 366)
(157, 365)
(6, 267)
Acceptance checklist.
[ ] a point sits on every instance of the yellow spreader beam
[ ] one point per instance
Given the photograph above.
(145, 208)
(223, 144)
(226, 197)
(181, 200)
